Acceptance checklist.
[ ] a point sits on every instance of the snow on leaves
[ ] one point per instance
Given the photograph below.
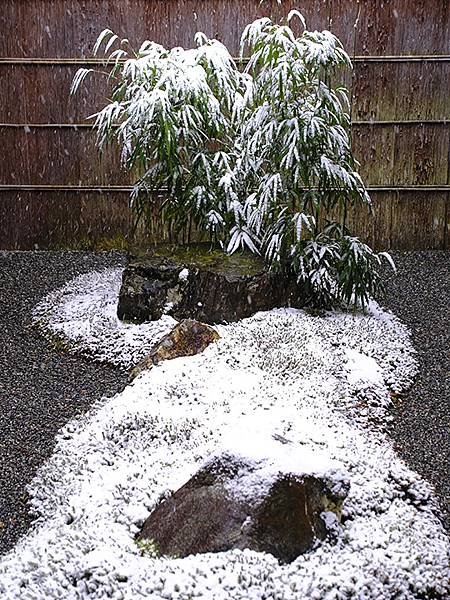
(243, 153)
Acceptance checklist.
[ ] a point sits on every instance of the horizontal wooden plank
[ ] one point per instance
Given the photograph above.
(42, 94)
(44, 220)
(388, 155)
(51, 220)
(380, 92)
(416, 91)
(57, 28)
(421, 91)
(374, 149)
(418, 224)
(402, 221)
(60, 156)
(421, 155)
(402, 26)
(403, 155)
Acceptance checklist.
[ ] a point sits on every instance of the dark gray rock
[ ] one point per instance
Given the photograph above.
(200, 284)
(146, 286)
(208, 514)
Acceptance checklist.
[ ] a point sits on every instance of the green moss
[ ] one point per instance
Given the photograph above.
(205, 255)
(80, 244)
(84, 243)
(59, 343)
(148, 548)
(118, 242)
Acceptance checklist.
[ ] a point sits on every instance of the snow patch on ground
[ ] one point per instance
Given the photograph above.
(84, 313)
(362, 368)
(322, 383)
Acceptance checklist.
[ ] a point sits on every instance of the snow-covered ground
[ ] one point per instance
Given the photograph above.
(84, 312)
(322, 382)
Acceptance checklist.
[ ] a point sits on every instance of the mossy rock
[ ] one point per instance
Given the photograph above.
(204, 256)
(200, 282)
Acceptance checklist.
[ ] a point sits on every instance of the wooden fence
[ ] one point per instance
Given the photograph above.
(55, 191)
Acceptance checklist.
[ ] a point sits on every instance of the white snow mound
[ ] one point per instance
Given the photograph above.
(320, 382)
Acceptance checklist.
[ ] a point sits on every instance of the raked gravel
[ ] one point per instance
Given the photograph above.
(40, 388)
(420, 295)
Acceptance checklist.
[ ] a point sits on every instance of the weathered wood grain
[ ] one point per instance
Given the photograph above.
(389, 154)
(418, 221)
(421, 155)
(35, 220)
(373, 147)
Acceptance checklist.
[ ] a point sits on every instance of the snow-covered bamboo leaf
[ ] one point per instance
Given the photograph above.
(78, 79)
(104, 35)
(295, 13)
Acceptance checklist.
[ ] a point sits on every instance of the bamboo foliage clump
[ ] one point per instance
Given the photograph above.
(259, 159)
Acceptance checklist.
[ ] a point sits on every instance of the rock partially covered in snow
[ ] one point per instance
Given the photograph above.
(199, 283)
(186, 339)
(284, 514)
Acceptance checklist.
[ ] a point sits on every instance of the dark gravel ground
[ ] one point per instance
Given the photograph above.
(420, 295)
(40, 388)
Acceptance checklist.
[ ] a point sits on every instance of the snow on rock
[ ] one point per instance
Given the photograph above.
(184, 274)
(269, 455)
(283, 373)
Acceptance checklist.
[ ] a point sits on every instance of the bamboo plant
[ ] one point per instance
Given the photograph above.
(259, 158)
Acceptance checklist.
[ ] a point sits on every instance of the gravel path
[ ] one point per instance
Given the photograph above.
(420, 295)
(40, 388)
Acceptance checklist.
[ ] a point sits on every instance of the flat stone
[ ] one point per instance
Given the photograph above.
(199, 283)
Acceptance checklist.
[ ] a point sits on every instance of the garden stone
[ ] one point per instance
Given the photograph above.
(197, 283)
(146, 285)
(186, 339)
(213, 512)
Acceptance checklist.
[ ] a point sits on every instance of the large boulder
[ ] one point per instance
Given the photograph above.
(199, 283)
(186, 339)
(230, 504)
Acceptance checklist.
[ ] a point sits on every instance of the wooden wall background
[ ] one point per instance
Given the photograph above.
(55, 191)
